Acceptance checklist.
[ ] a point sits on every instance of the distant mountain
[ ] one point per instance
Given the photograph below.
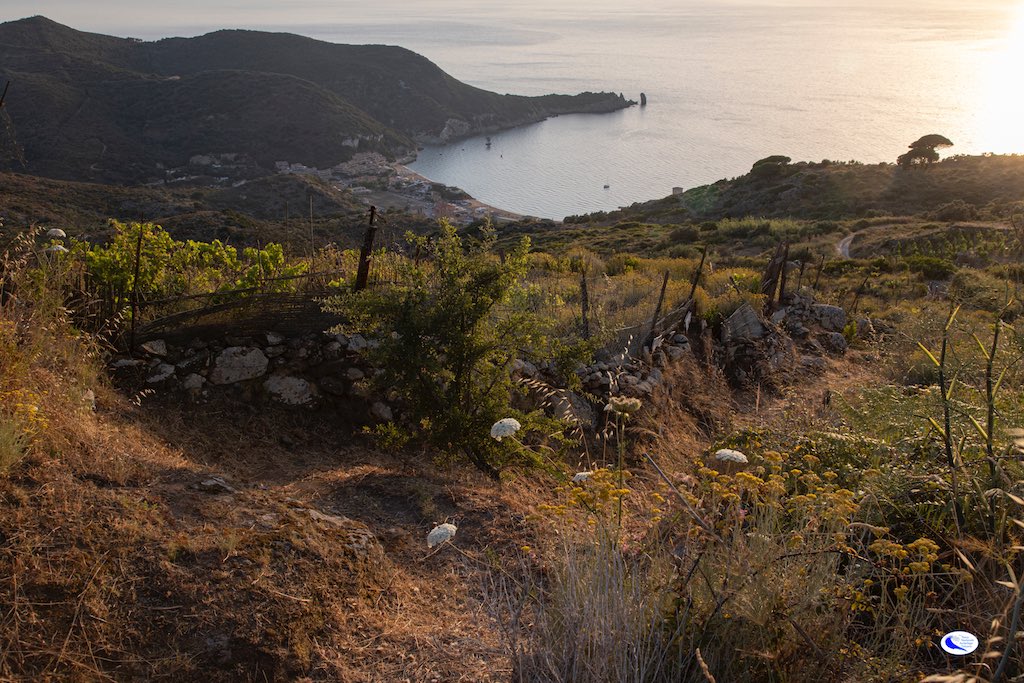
(94, 107)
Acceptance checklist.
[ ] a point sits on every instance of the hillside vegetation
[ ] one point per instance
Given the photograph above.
(93, 107)
(870, 497)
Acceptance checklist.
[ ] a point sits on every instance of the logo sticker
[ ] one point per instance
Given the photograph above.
(959, 643)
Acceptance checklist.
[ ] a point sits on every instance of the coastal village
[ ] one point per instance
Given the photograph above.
(369, 176)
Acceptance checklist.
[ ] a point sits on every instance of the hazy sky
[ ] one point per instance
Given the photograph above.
(187, 17)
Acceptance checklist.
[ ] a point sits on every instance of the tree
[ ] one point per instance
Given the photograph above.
(923, 151)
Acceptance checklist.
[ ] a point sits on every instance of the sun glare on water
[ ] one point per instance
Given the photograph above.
(1001, 118)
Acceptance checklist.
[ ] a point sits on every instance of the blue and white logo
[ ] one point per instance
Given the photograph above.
(959, 643)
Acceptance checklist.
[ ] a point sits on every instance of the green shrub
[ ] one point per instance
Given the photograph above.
(931, 267)
(448, 338)
(620, 264)
(684, 233)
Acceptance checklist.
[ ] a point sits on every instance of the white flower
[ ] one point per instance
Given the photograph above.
(56, 233)
(623, 405)
(506, 426)
(56, 249)
(441, 533)
(581, 477)
(729, 455)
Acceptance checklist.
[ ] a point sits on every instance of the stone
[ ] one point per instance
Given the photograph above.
(523, 368)
(341, 339)
(644, 388)
(332, 349)
(743, 325)
(193, 382)
(382, 411)
(359, 544)
(833, 343)
(814, 364)
(274, 339)
(237, 364)
(89, 399)
(779, 315)
(163, 372)
(197, 361)
(831, 318)
(238, 340)
(292, 391)
(333, 386)
(629, 380)
(675, 353)
(357, 343)
(275, 351)
(156, 347)
(354, 374)
(655, 376)
(126, 363)
(215, 485)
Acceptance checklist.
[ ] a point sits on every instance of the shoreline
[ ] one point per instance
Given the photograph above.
(405, 173)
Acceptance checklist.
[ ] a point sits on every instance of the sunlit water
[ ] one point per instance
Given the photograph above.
(727, 84)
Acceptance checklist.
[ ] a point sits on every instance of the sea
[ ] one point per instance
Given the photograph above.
(727, 83)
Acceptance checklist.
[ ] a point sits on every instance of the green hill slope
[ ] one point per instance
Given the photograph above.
(92, 107)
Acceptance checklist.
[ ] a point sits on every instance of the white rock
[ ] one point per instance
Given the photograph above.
(357, 343)
(441, 533)
(274, 339)
(238, 363)
(292, 391)
(730, 455)
(355, 374)
(163, 371)
(193, 382)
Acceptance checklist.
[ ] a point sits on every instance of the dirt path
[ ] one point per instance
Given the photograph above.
(843, 246)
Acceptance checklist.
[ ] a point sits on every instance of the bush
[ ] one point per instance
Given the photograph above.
(956, 210)
(684, 233)
(931, 267)
(620, 264)
(448, 339)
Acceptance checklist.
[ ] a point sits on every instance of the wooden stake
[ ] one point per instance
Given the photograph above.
(585, 304)
(135, 290)
(363, 274)
(657, 311)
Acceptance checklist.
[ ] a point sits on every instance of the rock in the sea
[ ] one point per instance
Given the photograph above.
(292, 391)
(237, 364)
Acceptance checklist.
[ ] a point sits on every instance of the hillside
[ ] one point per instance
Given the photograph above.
(92, 107)
(836, 190)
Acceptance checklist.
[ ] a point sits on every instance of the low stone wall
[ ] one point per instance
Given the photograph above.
(306, 371)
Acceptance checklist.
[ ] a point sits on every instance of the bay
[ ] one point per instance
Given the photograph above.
(728, 83)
